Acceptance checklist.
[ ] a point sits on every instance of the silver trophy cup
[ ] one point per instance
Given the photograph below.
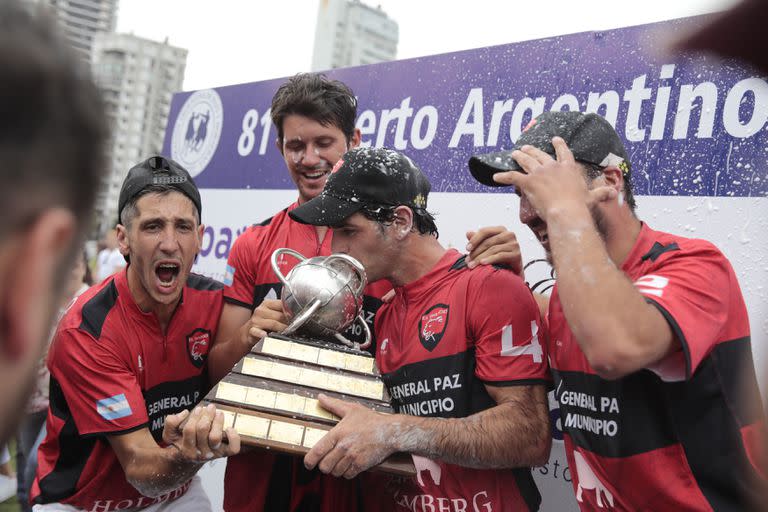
(323, 295)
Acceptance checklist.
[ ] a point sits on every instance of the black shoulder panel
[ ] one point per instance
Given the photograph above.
(459, 263)
(95, 311)
(658, 249)
(203, 284)
(266, 222)
(269, 220)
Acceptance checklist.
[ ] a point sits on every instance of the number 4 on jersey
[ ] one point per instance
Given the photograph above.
(532, 348)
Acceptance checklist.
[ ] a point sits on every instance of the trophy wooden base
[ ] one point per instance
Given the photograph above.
(270, 396)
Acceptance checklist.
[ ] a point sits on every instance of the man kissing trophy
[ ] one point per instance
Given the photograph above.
(271, 396)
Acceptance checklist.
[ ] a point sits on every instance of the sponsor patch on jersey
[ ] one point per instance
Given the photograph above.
(198, 345)
(114, 407)
(432, 325)
(229, 276)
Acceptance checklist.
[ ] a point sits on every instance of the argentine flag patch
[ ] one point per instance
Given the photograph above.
(114, 407)
(229, 275)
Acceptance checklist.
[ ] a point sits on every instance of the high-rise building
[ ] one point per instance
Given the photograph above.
(137, 78)
(350, 33)
(81, 20)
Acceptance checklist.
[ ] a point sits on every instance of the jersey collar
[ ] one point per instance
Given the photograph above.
(643, 244)
(311, 233)
(427, 282)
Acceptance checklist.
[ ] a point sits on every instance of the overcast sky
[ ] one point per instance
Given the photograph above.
(236, 41)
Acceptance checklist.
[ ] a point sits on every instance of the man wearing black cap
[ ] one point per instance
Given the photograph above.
(128, 363)
(650, 346)
(459, 349)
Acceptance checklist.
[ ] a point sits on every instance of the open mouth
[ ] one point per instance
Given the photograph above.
(167, 273)
(316, 174)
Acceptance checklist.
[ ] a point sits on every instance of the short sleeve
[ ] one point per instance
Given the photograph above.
(510, 338)
(692, 290)
(239, 278)
(100, 388)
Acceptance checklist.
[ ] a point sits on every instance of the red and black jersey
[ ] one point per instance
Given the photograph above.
(249, 279)
(684, 434)
(443, 339)
(114, 371)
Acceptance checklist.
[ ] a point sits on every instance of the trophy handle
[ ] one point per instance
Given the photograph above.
(367, 331)
(276, 267)
(355, 265)
(302, 317)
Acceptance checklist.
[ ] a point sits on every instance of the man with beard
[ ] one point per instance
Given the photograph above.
(315, 121)
(128, 362)
(52, 136)
(649, 336)
(460, 351)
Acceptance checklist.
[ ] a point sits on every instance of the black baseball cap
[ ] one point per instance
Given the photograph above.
(158, 170)
(365, 178)
(590, 138)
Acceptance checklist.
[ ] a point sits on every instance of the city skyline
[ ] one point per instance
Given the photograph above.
(243, 41)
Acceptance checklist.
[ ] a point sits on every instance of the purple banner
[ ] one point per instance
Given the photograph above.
(692, 126)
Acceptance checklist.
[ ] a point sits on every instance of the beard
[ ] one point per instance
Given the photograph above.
(598, 217)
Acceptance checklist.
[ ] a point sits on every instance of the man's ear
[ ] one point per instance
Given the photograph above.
(122, 239)
(279, 145)
(31, 281)
(614, 178)
(200, 231)
(355, 140)
(403, 222)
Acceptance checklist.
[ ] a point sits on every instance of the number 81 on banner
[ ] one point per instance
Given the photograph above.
(247, 139)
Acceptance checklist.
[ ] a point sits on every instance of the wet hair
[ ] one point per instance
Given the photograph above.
(130, 210)
(594, 171)
(315, 96)
(423, 221)
(53, 130)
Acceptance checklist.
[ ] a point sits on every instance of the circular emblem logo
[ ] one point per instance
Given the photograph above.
(197, 131)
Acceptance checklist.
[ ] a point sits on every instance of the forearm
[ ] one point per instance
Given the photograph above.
(157, 471)
(605, 312)
(239, 330)
(513, 434)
